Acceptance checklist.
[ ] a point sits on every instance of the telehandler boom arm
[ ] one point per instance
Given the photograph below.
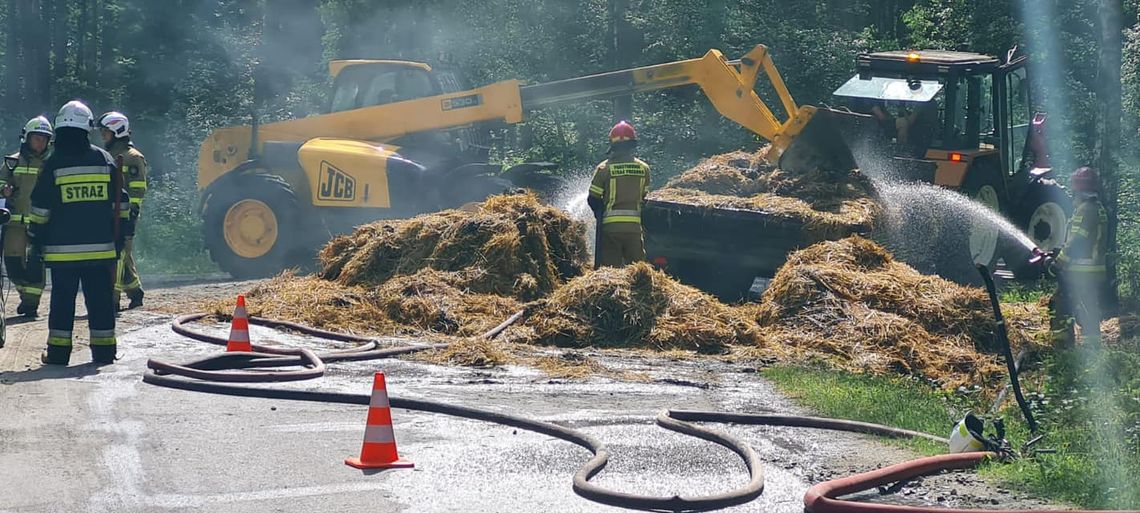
(729, 85)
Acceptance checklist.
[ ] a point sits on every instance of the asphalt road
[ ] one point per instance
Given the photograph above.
(96, 439)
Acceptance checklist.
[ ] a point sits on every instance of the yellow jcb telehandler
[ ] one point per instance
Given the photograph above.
(402, 138)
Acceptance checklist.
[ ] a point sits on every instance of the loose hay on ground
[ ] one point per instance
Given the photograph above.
(468, 352)
(635, 306)
(830, 204)
(851, 303)
(426, 302)
(511, 245)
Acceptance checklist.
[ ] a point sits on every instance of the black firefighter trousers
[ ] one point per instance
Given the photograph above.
(98, 280)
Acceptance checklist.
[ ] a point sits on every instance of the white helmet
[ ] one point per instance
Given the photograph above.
(117, 123)
(37, 125)
(74, 114)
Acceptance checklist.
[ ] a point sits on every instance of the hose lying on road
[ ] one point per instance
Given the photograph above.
(204, 376)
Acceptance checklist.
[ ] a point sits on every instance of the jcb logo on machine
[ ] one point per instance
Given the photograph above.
(462, 102)
(336, 185)
(74, 192)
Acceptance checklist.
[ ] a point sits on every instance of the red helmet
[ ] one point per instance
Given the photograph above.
(623, 131)
(1085, 179)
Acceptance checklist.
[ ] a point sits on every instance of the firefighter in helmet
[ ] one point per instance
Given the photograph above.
(77, 222)
(616, 196)
(115, 130)
(18, 178)
(1079, 266)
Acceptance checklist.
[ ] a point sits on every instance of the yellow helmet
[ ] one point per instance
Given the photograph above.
(37, 125)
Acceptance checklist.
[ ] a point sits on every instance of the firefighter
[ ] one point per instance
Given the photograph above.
(115, 130)
(18, 178)
(616, 195)
(1079, 266)
(74, 225)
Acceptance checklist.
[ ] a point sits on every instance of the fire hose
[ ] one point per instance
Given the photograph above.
(217, 373)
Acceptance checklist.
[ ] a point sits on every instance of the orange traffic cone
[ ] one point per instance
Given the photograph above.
(239, 328)
(379, 449)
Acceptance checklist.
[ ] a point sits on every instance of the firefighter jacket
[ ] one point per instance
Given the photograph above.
(134, 170)
(73, 219)
(1084, 251)
(618, 190)
(19, 171)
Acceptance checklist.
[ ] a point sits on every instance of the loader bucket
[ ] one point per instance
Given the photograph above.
(819, 145)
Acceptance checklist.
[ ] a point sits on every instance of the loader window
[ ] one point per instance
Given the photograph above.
(345, 97)
(381, 90)
(1017, 89)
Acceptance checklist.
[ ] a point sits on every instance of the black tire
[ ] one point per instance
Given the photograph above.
(1043, 215)
(474, 189)
(547, 186)
(252, 191)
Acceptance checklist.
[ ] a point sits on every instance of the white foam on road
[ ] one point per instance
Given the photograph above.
(122, 461)
(197, 501)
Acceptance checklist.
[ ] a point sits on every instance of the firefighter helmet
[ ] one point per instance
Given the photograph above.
(117, 123)
(74, 114)
(37, 125)
(621, 132)
(1085, 179)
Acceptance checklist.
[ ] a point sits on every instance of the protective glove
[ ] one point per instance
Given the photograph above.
(5, 215)
(135, 209)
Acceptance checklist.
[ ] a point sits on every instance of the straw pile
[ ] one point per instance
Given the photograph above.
(429, 301)
(511, 246)
(831, 205)
(635, 306)
(851, 303)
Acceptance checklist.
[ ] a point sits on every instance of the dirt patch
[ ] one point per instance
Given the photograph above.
(830, 204)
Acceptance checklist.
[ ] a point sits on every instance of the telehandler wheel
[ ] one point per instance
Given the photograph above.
(251, 226)
(1044, 216)
(984, 187)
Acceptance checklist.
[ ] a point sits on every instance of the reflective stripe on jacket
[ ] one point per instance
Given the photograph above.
(134, 169)
(20, 171)
(1084, 251)
(621, 185)
(72, 213)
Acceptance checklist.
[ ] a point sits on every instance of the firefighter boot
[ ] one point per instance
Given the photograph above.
(103, 354)
(136, 297)
(28, 307)
(56, 355)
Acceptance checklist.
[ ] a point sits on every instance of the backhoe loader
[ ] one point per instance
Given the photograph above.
(402, 138)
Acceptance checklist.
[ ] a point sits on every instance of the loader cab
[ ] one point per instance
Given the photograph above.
(946, 107)
(360, 84)
(980, 137)
(366, 83)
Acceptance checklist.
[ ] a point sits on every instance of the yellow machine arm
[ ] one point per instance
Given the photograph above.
(729, 85)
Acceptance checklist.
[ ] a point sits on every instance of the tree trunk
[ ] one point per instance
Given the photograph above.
(621, 52)
(59, 26)
(12, 66)
(1109, 98)
(81, 40)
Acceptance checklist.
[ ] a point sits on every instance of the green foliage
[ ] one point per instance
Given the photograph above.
(890, 401)
(1088, 409)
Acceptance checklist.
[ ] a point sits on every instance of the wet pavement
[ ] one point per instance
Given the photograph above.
(98, 439)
